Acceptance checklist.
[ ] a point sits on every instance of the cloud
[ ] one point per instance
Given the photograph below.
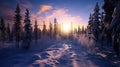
(63, 16)
(44, 8)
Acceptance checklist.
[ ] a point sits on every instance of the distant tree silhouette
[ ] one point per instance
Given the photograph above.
(71, 31)
(83, 30)
(44, 31)
(79, 30)
(55, 27)
(39, 33)
(17, 26)
(36, 31)
(8, 32)
(27, 38)
(50, 30)
(2, 30)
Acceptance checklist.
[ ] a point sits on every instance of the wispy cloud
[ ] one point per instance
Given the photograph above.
(63, 16)
(44, 8)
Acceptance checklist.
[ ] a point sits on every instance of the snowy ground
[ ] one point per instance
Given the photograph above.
(52, 53)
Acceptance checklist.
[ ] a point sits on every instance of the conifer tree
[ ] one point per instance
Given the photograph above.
(36, 31)
(90, 24)
(8, 32)
(115, 27)
(2, 30)
(44, 31)
(50, 29)
(17, 26)
(108, 8)
(83, 29)
(27, 38)
(96, 21)
(39, 33)
(55, 27)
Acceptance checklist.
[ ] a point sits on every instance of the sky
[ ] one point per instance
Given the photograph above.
(65, 11)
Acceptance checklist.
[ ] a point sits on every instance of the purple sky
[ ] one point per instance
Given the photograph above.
(66, 11)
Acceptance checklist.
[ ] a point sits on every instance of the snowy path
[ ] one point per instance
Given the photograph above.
(59, 54)
(70, 55)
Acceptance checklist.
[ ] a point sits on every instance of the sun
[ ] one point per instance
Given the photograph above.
(66, 28)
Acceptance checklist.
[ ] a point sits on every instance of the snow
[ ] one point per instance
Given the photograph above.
(48, 52)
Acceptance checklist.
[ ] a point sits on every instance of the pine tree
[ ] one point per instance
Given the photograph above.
(8, 32)
(51, 29)
(55, 27)
(44, 31)
(36, 31)
(39, 33)
(17, 26)
(71, 31)
(2, 30)
(83, 29)
(115, 27)
(27, 38)
(79, 30)
(108, 8)
(90, 24)
(96, 22)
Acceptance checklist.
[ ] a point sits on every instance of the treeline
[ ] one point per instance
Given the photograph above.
(105, 25)
(25, 33)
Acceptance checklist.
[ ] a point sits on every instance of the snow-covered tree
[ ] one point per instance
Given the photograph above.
(90, 25)
(96, 22)
(36, 31)
(115, 27)
(2, 30)
(17, 26)
(108, 8)
(27, 38)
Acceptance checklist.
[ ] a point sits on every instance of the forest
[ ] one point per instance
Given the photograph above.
(24, 44)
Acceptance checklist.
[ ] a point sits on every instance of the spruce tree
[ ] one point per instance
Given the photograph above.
(27, 38)
(17, 26)
(83, 29)
(44, 31)
(79, 30)
(2, 30)
(55, 27)
(50, 29)
(8, 32)
(39, 33)
(36, 31)
(115, 27)
(108, 8)
(96, 22)
(90, 25)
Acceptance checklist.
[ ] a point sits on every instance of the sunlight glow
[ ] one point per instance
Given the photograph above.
(66, 28)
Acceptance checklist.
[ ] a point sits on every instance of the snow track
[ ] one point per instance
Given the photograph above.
(65, 53)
